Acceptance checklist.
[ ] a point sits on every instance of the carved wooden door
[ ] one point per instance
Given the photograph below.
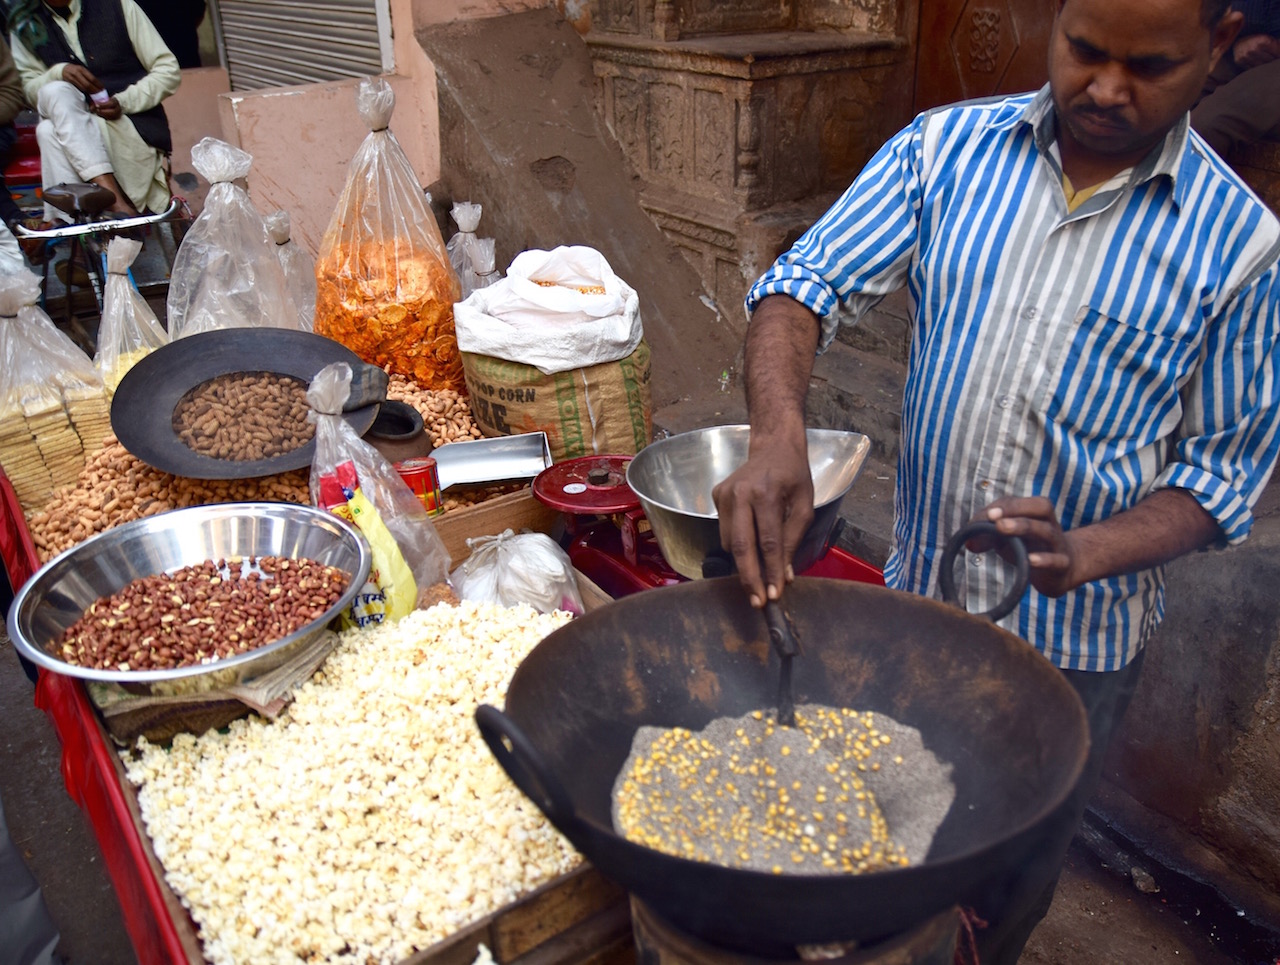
(976, 48)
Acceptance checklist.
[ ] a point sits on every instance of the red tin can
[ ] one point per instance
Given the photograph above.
(423, 478)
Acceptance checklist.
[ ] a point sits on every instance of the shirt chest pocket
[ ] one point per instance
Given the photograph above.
(1111, 378)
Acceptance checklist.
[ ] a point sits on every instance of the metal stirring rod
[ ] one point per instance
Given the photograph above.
(783, 636)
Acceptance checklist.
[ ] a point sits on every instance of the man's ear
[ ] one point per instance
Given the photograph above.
(1225, 32)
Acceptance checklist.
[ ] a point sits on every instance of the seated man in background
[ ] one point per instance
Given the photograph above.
(97, 72)
(1241, 100)
(12, 101)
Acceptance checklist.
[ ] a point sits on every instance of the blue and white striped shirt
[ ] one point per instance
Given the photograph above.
(1090, 357)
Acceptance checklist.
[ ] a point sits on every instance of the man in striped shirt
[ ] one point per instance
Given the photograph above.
(1093, 367)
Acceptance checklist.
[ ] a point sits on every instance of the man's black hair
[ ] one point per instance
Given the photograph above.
(1211, 11)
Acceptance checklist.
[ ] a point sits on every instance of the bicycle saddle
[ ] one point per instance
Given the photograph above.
(77, 198)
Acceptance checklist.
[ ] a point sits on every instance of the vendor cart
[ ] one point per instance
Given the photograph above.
(569, 919)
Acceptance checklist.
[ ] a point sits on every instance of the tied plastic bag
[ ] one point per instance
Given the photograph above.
(556, 310)
(129, 330)
(472, 258)
(299, 268)
(512, 568)
(53, 406)
(384, 284)
(226, 273)
(352, 479)
(483, 265)
(11, 259)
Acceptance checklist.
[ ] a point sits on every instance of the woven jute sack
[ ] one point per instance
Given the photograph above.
(594, 410)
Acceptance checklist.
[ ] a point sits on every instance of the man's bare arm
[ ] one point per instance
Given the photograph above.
(781, 344)
(766, 506)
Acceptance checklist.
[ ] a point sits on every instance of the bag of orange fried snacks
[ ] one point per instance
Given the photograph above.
(384, 284)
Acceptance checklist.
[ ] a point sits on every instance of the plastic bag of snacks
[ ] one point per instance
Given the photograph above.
(351, 479)
(384, 285)
(226, 273)
(511, 569)
(53, 407)
(299, 268)
(129, 330)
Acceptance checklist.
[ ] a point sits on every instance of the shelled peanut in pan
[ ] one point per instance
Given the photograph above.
(199, 614)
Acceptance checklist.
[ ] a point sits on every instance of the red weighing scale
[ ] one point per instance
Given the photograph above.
(611, 542)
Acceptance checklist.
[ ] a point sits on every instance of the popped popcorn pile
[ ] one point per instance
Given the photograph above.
(369, 820)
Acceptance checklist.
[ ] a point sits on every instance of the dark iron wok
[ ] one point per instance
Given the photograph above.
(983, 699)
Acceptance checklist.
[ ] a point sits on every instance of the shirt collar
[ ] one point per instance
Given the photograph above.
(72, 12)
(1169, 159)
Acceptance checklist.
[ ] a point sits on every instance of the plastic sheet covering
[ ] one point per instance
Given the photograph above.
(226, 273)
(53, 407)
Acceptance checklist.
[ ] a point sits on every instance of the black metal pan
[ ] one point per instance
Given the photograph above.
(984, 700)
(142, 408)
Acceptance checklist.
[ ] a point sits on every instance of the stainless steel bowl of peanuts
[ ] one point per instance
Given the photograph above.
(229, 590)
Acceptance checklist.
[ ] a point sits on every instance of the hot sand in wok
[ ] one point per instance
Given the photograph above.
(842, 792)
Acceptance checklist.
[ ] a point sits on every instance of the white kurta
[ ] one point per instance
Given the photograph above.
(73, 153)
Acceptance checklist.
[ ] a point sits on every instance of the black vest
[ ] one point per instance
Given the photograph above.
(108, 53)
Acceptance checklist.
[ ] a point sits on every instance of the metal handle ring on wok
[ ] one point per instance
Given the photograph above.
(947, 580)
(524, 764)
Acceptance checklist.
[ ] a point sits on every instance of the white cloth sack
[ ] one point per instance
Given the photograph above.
(552, 326)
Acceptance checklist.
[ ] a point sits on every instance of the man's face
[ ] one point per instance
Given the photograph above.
(1123, 72)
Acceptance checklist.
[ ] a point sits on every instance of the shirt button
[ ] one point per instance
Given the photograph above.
(985, 484)
(975, 559)
(1006, 401)
(1031, 312)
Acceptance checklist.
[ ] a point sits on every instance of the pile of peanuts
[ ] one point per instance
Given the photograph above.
(245, 416)
(459, 497)
(202, 613)
(115, 487)
(446, 414)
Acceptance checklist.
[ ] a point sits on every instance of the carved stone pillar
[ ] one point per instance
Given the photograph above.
(749, 112)
(744, 128)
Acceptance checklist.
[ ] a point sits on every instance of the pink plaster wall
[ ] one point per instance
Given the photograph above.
(302, 139)
(447, 11)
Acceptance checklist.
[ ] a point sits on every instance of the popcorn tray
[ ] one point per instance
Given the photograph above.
(577, 918)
